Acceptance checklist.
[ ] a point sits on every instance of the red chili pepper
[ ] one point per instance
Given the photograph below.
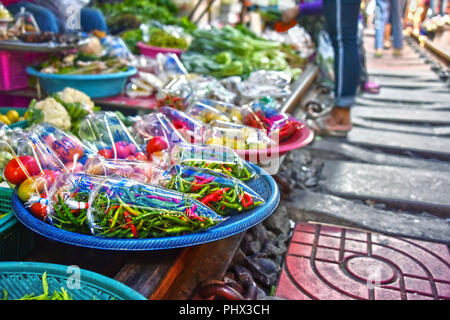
(110, 208)
(215, 196)
(246, 200)
(129, 222)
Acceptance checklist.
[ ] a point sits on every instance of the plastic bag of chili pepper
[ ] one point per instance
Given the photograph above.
(69, 149)
(222, 193)
(140, 170)
(30, 166)
(191, 129)
(216, 158)
(115, 207)
(124, 208)
(105, 133)
(158, 135)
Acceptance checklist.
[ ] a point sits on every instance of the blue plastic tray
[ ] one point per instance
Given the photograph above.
(95, 86)
(21, 278)
(265, 186)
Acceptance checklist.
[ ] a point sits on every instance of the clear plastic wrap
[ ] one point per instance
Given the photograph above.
(67, 147)
(222, 193)
(108, 135)
(31, 166)
(191, 129)
(237, 136)
(278, 125)
(144, 171)
(217, 158)
(124, 208)
(264, 83)
(207, 114)
(156, 132)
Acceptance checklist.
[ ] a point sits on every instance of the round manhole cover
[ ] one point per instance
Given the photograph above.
(370, 269)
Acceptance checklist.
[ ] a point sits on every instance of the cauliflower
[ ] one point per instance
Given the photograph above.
(54, 113)
(70, 95)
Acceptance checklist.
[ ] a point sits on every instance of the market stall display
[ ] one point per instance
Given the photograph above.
(177, 176)
(265, 187)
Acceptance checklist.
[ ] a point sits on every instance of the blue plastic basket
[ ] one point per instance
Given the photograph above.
(21, 278)
(95, 86)
(265, 186)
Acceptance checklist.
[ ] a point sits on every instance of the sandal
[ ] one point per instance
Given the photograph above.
(371, 87)
(320, 128)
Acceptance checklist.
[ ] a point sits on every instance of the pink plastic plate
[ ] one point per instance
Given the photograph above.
(150, 51)
(301, 138)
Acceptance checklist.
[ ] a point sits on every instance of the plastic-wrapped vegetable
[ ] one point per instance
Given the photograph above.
(224, 194)
(216, 158)
(191, 129)
(236, 136)
(33, 168)
(144, 171)
(208, 114)
(278, 125)
(67, 147)
(108, 135)
(123, 208)
(233, 110)
(158, 135)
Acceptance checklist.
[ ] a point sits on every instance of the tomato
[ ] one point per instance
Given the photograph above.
(15, 174)
(39, 210)
(29, 186)
(106, 153)
(156, 144)
(141, 156)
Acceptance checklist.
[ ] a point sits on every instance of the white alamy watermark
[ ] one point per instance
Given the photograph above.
(73, 282)
(73, 14)
(374, 276)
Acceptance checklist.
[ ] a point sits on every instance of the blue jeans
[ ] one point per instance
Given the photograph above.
(442, 7)
(342, 25)
(90, 19)
(389, 11)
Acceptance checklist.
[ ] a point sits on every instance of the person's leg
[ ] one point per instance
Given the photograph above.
(397, 25)
(45, 19)
(92, 19)
(381, 19)
(443, 8)
(387, 36)
(342, 25)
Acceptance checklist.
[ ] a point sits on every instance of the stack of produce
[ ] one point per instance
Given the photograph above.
(118, 181)
(230, 51)
(130, 14)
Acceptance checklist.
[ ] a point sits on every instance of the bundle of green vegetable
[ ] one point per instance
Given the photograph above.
(164, 39)
(234, 52)
(129, 14)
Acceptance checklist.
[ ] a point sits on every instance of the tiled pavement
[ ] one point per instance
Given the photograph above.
(331, 263)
